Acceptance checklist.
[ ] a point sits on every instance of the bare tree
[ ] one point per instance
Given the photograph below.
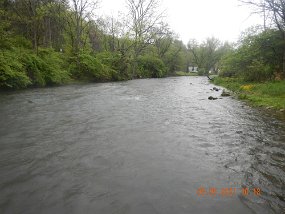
(206, 54)
(113, 30)
(163, 39)
(145, 17)
(78, 21)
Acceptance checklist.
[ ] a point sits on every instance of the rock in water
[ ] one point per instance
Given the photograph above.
(225, 93)
(212, 98)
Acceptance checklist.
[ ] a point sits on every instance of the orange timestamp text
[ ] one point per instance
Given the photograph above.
(227, 191)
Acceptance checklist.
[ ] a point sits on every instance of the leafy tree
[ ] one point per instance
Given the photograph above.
(149, 66)
(257, 58)
(205, 55)
(273, 11)
(145, 17)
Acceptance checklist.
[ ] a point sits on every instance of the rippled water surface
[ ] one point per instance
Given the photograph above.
(142, 146)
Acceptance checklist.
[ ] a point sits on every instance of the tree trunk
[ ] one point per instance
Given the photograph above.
(283, 58)
(283, 63)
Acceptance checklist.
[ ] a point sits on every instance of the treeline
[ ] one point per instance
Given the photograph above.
(50, 42)
(260, 53)
(258, 57)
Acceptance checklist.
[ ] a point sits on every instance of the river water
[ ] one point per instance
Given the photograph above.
(141, 146)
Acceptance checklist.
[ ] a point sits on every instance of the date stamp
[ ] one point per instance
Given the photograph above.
(227, 191)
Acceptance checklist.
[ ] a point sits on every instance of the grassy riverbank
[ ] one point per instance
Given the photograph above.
(267, 94)
(182, 73)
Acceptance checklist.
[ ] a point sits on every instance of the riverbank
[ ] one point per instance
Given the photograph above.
(270, 95)
(182, 73)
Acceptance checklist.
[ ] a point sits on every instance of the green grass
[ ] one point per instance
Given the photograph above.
(266, 94)
(182, 73)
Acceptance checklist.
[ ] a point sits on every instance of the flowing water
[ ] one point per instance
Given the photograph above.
(141, 146)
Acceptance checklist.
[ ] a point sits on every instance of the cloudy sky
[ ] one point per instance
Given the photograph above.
(199, 19)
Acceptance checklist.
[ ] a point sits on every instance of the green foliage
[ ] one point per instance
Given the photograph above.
(49, 42)
(182, 73)
(5, 40)
(12, 74)
(149, 66)
(256, 59)
(87, 66)
(175, 58)
(46, 68)
(21, 68)
(207, 55)
(117, 62)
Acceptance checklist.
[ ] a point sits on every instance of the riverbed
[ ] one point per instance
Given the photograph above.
(140, 146)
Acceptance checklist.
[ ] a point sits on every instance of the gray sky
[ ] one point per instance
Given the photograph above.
(198, 19)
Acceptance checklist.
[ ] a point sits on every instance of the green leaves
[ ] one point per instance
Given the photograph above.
(258, 56)
(12, 73)
(150, 66)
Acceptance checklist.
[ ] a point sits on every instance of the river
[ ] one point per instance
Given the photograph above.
(141, 146)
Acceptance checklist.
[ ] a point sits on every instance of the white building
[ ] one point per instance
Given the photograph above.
(193, 69)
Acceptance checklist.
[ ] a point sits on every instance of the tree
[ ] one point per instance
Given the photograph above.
(276, 14)
(39, 21)
(145, 17)
(113, 31)
(163, 39)
(205, 55)
(257, 58)
(78, 21)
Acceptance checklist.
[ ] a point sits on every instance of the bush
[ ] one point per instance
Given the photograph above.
(149, 66)
(257, 71)
(88, 67)
(118, 62)
(257, 57)
(12, 74)
(54, 71)
(46, 68)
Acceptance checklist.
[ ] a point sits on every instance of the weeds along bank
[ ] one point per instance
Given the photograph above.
(269, 94)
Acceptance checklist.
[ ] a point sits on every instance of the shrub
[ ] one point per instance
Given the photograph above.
(12, 74)
(118, 62)
(257, 71)
(46, 68)
(149, 66)
(87, 66)
(54, 71)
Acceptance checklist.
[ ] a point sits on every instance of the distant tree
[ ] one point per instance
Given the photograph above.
(114, 30)
(175, 56)
(78, 21)
(206, 54)
(145, 18)
(163, 39)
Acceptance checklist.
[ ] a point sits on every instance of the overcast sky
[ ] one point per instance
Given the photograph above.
(198, 19)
